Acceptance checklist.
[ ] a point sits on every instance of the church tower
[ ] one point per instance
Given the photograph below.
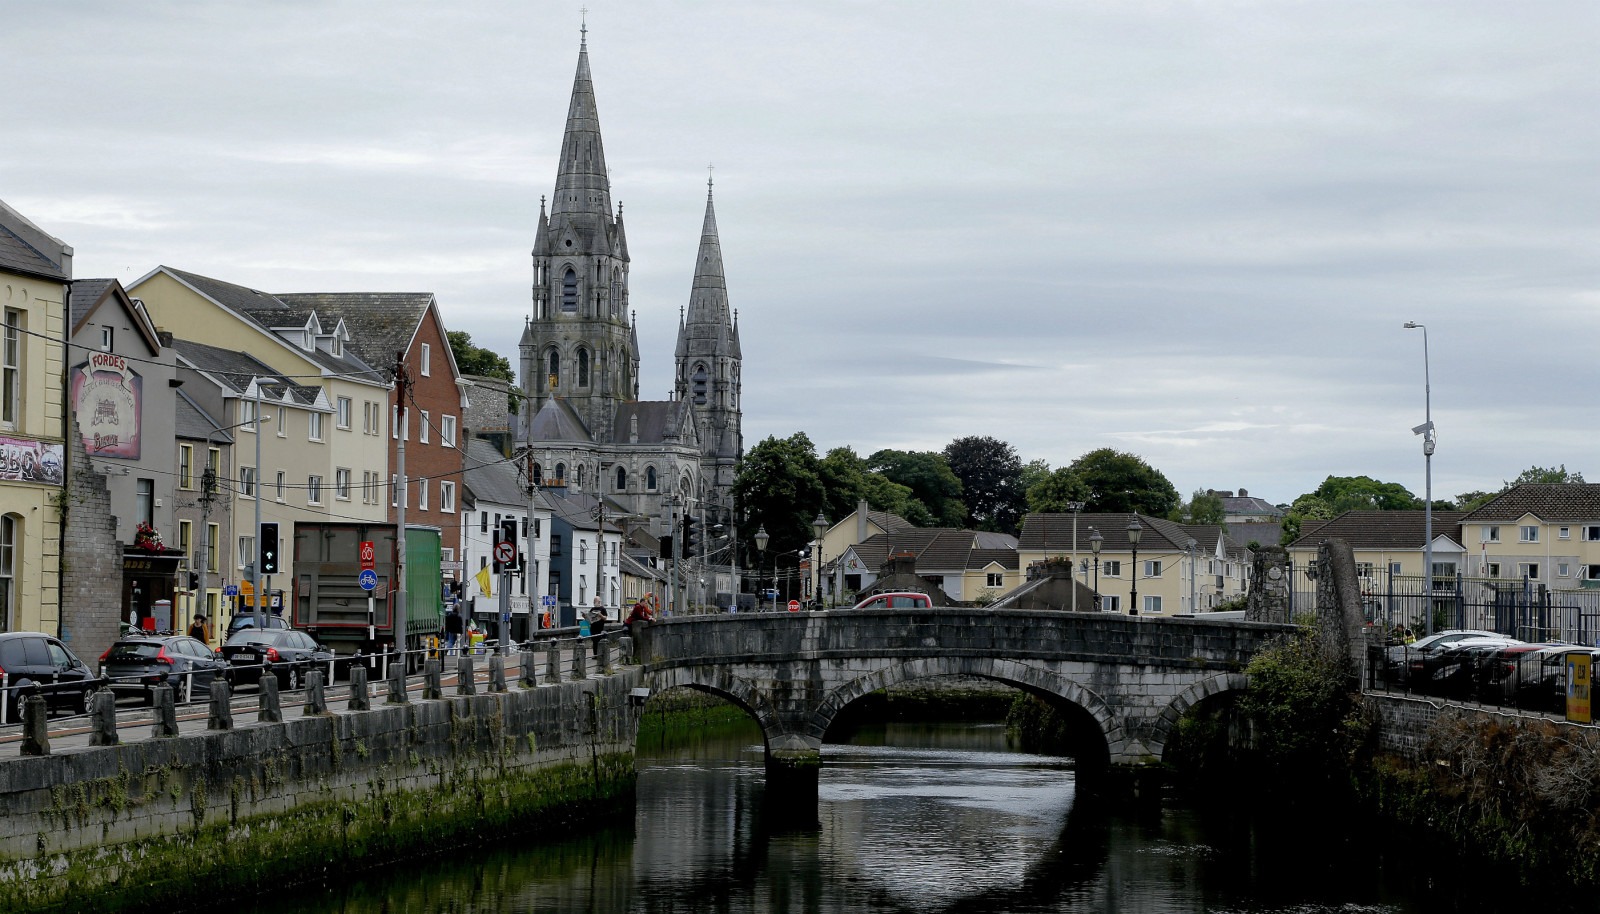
(708, 363)
(579, 344)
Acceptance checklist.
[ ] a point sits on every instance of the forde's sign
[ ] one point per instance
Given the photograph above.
(107, 396)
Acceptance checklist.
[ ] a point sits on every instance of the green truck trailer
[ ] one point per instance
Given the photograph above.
(331, 603)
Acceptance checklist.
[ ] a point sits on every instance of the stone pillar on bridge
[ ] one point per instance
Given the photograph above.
(1339, 618)
(1268, 600)
(793, 764)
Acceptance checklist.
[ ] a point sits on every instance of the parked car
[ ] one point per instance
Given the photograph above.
(248, 620)
(1453, 670)
(1544, 688)
(1501, 673)
(1399, 657)
(895, 601)
(136, 665)
(36, 659)
(290, 652)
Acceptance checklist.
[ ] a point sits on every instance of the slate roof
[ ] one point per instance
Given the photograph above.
(985, 540)
(193, 422)
(938, 549)
(1570, 501)
(1250, 504)
(490, 476)
(23, 247)
(1382, 529)
(235, 369)
(1053, 533)
(980, 559)
(1206, 536)
(656, 419)
(577, 508)
(634, 567)
(81, 299)
(557, 421)
(1265, 534)
(380, 323)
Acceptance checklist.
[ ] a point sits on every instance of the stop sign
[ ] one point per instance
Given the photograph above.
(794, 606)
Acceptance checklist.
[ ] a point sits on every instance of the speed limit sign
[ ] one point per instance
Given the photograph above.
(505, 553)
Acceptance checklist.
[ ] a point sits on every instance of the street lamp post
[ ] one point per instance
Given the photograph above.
(819, 527)
(1074, 507)
(1095, 539)
(762, 539)
(1135, 530)
(1427, 433)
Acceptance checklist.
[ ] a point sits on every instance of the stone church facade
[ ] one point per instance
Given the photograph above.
(583, 418)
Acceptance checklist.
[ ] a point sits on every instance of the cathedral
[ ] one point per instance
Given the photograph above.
(585, 423)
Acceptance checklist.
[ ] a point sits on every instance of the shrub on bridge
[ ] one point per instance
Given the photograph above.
(1304, 718)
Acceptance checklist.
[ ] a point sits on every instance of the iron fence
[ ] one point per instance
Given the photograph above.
(1492, 674)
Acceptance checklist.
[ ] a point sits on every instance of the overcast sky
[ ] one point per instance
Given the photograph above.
(1187, 230)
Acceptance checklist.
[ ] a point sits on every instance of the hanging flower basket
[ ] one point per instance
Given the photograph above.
(148, 538)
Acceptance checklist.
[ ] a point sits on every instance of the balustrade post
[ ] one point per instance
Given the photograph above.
(497, 673)
(432, 680)
(36, 726)
(103, 719)
(397, 683)
(530, 670)
(359, 699)
(221, 716)
(316, 698)
(166, 712)
(269, 708)
(466, 676)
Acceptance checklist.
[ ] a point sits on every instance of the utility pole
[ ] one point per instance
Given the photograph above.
(255, 490)
(402, 388)
(208, 494)
(533, 502)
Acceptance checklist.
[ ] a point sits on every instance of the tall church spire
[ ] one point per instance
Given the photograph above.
(582, 184)
(708, 298)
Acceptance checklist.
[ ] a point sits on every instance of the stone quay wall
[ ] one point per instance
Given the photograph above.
(151, 824)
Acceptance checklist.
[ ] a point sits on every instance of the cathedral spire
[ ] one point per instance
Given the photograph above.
(582, 184)
(708, 299)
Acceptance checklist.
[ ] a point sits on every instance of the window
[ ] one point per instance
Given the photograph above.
(247, 551)
(214, 461)
(185, 537)
(1491, 534)
(538, 475)
(622, 480)
(185, 466)
(524, 528)
(561, 474)
(422, 494)
(144, 501)
(283, 422)
(583, 589)
(1563, 570)
(213, 542)
(343, 413)
(996, 579)
(1592, 572)
(368, 483)
(11, 371)
(578, 473)
(247, 482)
(369, 418)
(8, 566)
(1152, 569)
(483, 521)
(1363, 569)
(569, 292)
(1394, 567)
(1529, 570)
(1110, 604)
(447, 497)
(281, 474)
(583, 552)
(1112, 569)
(247, 415)
(1564, 533)
(316, 426)
(583, 368)
(1492, 569)
(1152, 604)
(427, 360)
(555, 368)
(555, 544)
(1527, 534)
(108, 339)
(313, 490)
(341, 484)
(422, 430)
(1591, 533)
(447, 431)
(1444, 569)
(650, 478)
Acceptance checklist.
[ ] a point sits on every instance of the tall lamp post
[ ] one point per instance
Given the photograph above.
(762, 539)
(819, 527)
(1074, 507)
(1426, 431)
(1095, 539)
(1135, 530)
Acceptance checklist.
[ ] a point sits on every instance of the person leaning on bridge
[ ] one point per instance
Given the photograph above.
(638, 617)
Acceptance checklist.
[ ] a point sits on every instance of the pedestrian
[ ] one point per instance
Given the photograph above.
(597, 625)
(198, 630)
(452, 630)
(639, 616)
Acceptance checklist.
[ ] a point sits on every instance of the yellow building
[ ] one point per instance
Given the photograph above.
(1385, 544)
(1548, 534)
(856, 527)
(35, 270)
(970, 566)
(1180, 568)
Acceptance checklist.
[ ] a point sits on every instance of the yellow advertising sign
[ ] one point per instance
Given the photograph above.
(1580, 675)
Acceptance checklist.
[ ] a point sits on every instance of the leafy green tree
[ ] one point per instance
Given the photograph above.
(1033, 473)
(472, 359)
(1119, 482)
(1051, 494)
(1363, 493)
(1538, 475)
(991, 481)
(1204, 507)
(779, 483)
(1472, 501)
(930, 480)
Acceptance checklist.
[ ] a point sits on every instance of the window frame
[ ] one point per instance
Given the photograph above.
(447, 496)
(316, 427)
(426, 360)
(447, 430)
(1489, 533)
(341, 484)
(1527, 533)
(343, 407)
(313, 489)
(13, 375)
(423, 427)
(186, 467)
(247, 486)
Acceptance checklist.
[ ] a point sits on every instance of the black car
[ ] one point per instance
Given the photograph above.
(36, 659)
(136, 665)
(290, 652)
(246, 620)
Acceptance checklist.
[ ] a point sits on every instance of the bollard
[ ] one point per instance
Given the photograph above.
(466, 676)
(603, 660)
(103, 719)
(552, 663)
(36, 726)
(166, 717)
(530, 670)
(397, 684)
(316, 699)
(221, 717)
(625, 650)
(580, 663)
(359, 699)
(432, 682)
(497, 673)
(270, 709)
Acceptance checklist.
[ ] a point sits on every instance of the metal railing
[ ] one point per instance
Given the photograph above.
(1525, 677)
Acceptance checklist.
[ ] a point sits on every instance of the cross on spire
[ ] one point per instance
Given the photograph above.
(709, 168)
(583, 27)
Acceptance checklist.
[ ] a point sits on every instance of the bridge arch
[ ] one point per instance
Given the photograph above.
(723, 684)
(1032, 679)
(1194, 694)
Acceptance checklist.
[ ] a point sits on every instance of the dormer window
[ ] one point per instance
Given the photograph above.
(338, 347)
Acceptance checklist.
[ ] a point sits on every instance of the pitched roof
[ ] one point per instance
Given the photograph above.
(237, 369)
(1381, 529)
(194, 423)
(1249, 504)
(638, 569)
(84, 295)
(657, 419)
(889, 523)
(937, 549)
(1566, 501)
(1206, 537)
(26, 248)
(556, 420)
(490, 476)
(380, 323)
(1053, 533)
(1265, 534)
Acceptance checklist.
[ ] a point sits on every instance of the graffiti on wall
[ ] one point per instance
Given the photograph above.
(107, 396)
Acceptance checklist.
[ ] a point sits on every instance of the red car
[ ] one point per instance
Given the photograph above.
(895, 601)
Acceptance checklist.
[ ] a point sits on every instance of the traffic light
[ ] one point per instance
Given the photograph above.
(691, 536)
(267, 541)
(666, 546)
(508, 534)
(194, 580)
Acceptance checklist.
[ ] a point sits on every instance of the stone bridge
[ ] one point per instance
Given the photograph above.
(1122, 681)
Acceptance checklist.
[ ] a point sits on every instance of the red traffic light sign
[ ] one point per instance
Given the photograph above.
(794, 606)
(368, 556)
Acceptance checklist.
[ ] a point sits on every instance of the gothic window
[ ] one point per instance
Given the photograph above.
(583, 368)
(650, 478)
(622, 479)
(555, 368)
(538, 474)
(700, 384)
(569, 291)
(578, 472)
(561, 474)
(616, 292)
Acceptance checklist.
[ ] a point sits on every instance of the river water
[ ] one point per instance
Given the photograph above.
(910, 818)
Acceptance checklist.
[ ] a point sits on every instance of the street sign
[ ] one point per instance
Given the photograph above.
(505, 617)
(794, 606)
(452, 566)
(547, 600)
(232, 590)
(369, 578)
(368, 557)
(505, 552)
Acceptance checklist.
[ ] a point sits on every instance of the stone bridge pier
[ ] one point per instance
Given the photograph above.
(1124, 682)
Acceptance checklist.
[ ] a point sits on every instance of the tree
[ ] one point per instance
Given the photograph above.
(1537, 475)
(991, 475)
(1053, 493)
(780, 486)
(1363, 493)
(930, 480)
(1204, 507)
(1033, 473)
(472, 359)
(1119, 483)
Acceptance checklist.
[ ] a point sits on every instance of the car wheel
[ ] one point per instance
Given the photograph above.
(290, 680)
(184, 690)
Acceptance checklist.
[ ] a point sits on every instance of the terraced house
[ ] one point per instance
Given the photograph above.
(1545, 534)
(1176, 568)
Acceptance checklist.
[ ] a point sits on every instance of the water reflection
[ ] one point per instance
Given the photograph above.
(910, 819)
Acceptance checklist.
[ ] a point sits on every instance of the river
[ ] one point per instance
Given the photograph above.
(916, 818)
